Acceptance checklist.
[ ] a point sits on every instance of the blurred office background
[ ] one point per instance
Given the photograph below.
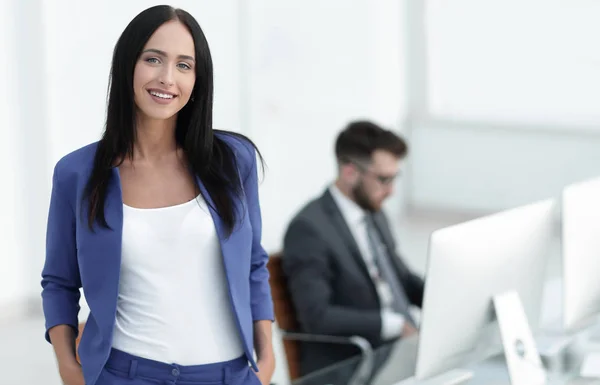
(497, 98)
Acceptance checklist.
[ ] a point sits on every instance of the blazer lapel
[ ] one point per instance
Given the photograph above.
(340, 225)
(228, 248)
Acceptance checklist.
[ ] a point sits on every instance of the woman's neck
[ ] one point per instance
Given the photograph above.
(154, 139)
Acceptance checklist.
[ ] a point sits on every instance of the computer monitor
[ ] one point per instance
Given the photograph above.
(469, 266)
(581, 254)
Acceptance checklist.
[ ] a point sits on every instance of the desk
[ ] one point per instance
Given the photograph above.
(398, 369)
(493, 371)
(400, 364)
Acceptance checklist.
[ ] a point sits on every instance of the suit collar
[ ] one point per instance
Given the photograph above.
(352, 213)
(338, 220)
(341, 226)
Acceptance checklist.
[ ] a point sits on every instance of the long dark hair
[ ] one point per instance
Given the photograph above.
(209, 157)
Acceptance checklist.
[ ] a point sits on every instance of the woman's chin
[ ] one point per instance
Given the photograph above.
(158, 113)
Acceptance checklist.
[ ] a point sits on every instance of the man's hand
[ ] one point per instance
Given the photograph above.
(408, 330)
(71, 374)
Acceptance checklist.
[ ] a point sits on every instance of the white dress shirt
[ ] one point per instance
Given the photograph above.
(392, 322)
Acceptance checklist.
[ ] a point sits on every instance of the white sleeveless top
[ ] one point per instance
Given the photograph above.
(173, 304)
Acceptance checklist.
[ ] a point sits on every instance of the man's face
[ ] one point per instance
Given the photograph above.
(376, 180)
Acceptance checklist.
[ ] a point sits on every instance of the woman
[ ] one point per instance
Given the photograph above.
(159, 222)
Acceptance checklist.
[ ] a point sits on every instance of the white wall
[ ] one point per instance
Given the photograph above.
(313, 67)
(32, 144)
(11, 271)
(514, 61)
(23, 144)
(510, 102)
(481, 168)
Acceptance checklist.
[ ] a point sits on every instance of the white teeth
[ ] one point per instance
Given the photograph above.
(160, 95)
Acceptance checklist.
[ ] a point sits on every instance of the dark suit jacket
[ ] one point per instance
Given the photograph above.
(329, 283)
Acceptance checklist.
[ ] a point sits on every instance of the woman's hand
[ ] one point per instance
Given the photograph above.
(266, 367)
(63, 341)
(71, 373)
(263, 342)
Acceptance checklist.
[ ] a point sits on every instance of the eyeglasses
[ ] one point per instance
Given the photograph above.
(385, 180)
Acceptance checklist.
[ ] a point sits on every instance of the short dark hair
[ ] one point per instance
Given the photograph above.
(360, 139)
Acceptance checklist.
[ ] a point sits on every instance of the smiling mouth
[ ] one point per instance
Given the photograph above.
(162, 95)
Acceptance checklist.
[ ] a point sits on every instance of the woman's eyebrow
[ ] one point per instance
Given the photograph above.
(163, 53)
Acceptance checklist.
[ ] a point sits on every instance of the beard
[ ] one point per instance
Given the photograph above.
(362, 198)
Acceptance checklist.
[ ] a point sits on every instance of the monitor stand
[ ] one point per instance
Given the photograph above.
(522, 358)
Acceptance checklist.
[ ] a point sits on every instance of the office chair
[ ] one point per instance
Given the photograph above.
(286, 319)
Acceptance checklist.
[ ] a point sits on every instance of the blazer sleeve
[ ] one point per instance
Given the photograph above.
(309, 280)
(260, 290)
(60, 275)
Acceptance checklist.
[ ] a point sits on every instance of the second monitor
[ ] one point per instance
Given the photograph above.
(581, 254)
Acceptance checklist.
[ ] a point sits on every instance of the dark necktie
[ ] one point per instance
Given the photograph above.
(400, 302)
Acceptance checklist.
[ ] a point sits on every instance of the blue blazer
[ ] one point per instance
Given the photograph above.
(77, 257)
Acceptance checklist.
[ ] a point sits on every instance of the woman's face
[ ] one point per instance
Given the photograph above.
(165, 73)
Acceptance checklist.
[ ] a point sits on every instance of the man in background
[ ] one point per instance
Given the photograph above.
(344, 275)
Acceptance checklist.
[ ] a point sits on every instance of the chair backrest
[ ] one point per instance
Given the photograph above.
(284, 312)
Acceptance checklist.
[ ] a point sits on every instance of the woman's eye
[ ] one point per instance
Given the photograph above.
(184, 66)
(152, 60)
